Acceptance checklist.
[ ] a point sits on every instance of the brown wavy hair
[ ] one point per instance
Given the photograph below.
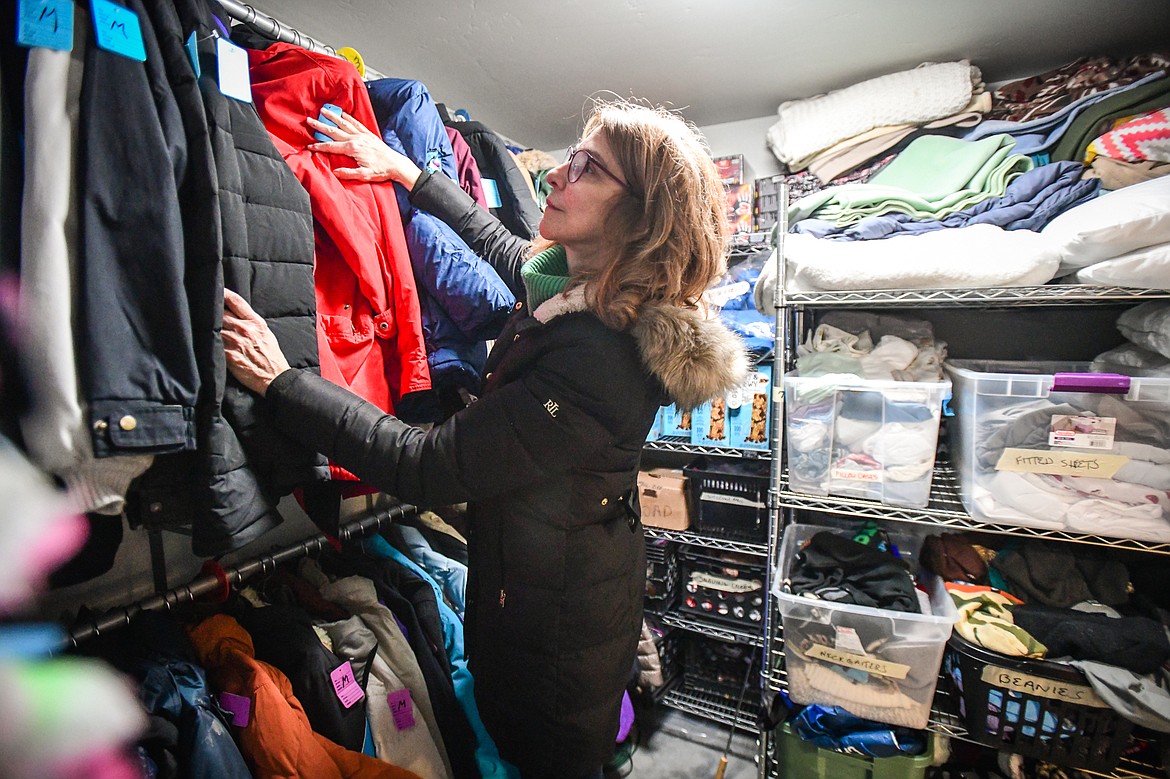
(668, 234)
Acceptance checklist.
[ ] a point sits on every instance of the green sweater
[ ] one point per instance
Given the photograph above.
(545, 275)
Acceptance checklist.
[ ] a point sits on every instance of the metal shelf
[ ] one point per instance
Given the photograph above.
(706, 541)
(732, 633)
(678, 443)
(946, 509)
(1044, 295)
(709, 706)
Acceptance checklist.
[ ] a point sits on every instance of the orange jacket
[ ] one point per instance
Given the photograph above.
(277, 742)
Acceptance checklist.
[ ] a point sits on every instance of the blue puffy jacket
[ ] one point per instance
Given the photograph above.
(464, 301)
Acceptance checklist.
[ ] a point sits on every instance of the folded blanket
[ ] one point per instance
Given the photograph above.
(960, 258)
(926, 93)
(933, 177)
(1030, 202)
(1144, 138)
(852, 153)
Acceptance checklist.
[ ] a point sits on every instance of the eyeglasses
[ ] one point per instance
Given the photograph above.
(579, 161)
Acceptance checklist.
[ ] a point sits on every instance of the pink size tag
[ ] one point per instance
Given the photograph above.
(238, 706)
(401, 708)
(348, 690)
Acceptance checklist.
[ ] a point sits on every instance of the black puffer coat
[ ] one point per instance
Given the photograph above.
(263, 250)
(548, 459)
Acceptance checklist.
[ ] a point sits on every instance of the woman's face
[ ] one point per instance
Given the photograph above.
(576, 212)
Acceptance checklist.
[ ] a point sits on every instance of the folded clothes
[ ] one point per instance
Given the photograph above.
(1061, 575)
(1029, 203)
(933, 177)
(1138, 644)
(985, 618)
(835, 568)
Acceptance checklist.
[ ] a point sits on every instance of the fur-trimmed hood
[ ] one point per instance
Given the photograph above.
(694, 357)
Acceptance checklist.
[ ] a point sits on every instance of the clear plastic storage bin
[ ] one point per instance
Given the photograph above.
(863, 438)
(1049, 445)
(878, 664)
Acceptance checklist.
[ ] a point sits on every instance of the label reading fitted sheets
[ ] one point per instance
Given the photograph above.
(1056, 463)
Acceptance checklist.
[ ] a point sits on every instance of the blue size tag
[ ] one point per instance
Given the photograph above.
(232, 61)
(117, 30)
(45, 23)
(193, 53)
(491, 193)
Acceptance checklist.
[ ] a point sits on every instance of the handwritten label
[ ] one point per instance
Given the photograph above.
(1097, 466)
(345, 685)
(861, 662)
(848, 641)
(45, 23)
(848, 475)
(725, 585)
(401, 708)
(238, 706)
(1043, 688)
(1082, 432)
(117, 30)
(232, 69)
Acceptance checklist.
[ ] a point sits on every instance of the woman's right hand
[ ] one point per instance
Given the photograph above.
(376, 161)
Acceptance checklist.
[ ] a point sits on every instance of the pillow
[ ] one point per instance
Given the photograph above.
(1148, 326)
(1114, 223)
(1148, 268)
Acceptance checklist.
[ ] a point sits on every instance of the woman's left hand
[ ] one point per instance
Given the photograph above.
(253, 355)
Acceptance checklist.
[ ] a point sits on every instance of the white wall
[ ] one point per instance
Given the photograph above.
(747, 138)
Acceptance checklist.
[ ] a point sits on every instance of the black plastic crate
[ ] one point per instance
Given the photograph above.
(722, 586)
(662, 574)
(1035, 708)
(731, 498)
(718, 667)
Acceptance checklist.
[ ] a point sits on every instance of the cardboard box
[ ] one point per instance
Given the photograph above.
(749, 409)
(710, 424)
(664, 498)
(766, 211)
(676, 422)
(739, 207)
(733, 169)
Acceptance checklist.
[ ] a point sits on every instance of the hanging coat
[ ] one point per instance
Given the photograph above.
(257, 240)
(369, 327)
(464, 302)
(517, 209)
(277, 740)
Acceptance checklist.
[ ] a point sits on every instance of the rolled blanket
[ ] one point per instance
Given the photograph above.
(923, 94)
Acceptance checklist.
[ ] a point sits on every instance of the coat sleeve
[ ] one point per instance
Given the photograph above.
(486, 235)
(546, 422)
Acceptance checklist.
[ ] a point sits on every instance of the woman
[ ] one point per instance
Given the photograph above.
(607, 330)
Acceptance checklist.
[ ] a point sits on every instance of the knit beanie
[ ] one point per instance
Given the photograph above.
(545, 275)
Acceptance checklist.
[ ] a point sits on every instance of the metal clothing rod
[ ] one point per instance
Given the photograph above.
(221, 579)
(280, 31)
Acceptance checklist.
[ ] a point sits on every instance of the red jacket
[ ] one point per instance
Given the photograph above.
(369, 327)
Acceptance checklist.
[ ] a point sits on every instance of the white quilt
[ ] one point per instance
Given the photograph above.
(957, 258)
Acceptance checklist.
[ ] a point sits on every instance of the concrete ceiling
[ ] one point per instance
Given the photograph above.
(526, 68)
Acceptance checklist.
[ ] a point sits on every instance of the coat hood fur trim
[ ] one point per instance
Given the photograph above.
(695, 358)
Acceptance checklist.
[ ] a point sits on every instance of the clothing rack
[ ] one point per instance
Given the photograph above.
(282, 32)
(216, 582)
